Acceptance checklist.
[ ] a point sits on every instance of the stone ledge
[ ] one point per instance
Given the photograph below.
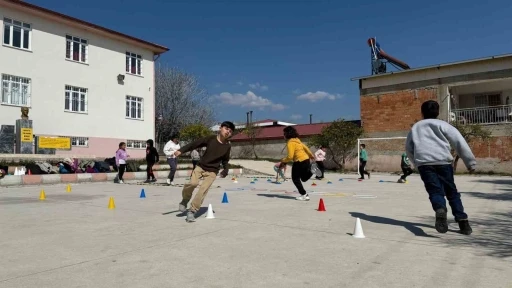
(88, 177)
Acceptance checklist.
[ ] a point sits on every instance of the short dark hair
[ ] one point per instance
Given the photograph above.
(175, 136)
(228, 124)
(430, 109)
(363, 145)
(121, 144)
(290, 132)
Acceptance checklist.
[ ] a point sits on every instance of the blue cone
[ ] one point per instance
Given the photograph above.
(341, 179)
(252, 182)
(381, 181)
(225, 198)
(142, 193)
(268, 180)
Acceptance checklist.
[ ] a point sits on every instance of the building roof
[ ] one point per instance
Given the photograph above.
(155, 48)
(276, 132)
(260, 123)
(438, 66)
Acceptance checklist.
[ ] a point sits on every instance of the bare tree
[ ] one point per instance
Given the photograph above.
(180, 101)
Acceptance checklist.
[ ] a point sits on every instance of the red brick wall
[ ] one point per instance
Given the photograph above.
(395, 111)
(498, 147)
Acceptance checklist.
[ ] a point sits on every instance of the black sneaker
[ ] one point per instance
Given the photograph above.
(441, 222)
(465, 228)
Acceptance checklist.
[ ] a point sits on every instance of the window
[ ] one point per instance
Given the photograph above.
(76, 49)
(75, 99)
(133, 63)
(17, 34)
(134, 107)
(15, 90)
(135, 144)
(80, 141)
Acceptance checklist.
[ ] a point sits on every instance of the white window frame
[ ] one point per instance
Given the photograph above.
(129, 102)
(79, 141)
(8, 81)
(23, 26)
(83, 44)
(136, 144)
(130, 57)
(82, 93)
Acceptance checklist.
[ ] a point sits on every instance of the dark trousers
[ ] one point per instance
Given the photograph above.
(321, 167)
(439, 182)
(194, 164)
(407, 171)
(362, 165)
(122, 168)
(301, 172)
(149, 171)
(173, 162)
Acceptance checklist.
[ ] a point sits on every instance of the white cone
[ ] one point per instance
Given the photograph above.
(358, 230)
(209, 214)
(235, 181)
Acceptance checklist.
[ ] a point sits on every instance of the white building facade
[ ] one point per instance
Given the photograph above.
(78, 79)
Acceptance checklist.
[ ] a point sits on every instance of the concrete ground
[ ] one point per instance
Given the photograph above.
(261, 238)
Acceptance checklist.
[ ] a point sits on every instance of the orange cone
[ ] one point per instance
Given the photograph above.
(321, 206)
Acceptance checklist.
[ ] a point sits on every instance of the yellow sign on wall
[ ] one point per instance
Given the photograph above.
(54, 143)
(27, 135)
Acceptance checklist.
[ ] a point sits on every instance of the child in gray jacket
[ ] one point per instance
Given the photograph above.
(428, 145)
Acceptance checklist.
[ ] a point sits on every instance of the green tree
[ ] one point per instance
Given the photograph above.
(470, 133)
(340, 139)
(193, 132)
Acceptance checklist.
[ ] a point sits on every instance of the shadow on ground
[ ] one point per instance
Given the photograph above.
(49, 198)
(412, 227)
(276, 196)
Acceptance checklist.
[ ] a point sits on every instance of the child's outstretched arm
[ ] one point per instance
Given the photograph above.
(460, 145)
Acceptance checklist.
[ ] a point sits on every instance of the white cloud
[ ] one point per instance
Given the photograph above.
(296, 116)
(257, 86)
(248, 99)
(318, 96)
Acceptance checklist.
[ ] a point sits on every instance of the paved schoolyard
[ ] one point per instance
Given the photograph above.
(261, 238)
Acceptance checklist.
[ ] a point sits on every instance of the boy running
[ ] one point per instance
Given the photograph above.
(217, 152)
(428, 144)
(406, 168)
(363, 158)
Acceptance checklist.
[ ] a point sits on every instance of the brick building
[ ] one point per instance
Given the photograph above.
(470, 92)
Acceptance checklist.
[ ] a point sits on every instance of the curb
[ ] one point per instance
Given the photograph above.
(161, 167)
(21, 180)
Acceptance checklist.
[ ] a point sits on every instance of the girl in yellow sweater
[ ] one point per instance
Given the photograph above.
(301, 156)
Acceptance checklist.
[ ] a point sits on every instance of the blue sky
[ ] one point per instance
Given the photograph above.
(286, 59)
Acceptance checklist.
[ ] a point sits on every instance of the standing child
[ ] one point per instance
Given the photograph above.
(195, 158)
(169, 149)
(301, 157)
(280, 171)
(218, 150)
(152, 157)
(363, 158)
(428, 144)
(320, 158)
(406, 168)
(121, 157)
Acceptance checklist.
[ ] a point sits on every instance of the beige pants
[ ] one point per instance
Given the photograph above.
(188, 189)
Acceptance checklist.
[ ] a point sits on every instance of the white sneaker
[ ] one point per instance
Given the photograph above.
(303, 198)
(168, 181)
(172, 184)
(121, 182)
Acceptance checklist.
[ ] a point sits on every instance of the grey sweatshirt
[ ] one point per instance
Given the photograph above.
(429, 142)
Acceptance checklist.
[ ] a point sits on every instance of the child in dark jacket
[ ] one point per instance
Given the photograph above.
(151, 158)
(406, 168)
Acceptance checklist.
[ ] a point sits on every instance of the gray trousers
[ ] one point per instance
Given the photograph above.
(173, 162)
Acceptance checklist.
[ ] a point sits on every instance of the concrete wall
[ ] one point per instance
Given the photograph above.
(49, 70)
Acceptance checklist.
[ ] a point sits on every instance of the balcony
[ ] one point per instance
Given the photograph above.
(501, 114)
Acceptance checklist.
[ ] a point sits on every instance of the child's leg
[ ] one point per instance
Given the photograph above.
(296, 177)
(209, 177)
(435, 189)
(122, 168)
(305, 170)
(445, 173)
(281, 173)
(407, 172)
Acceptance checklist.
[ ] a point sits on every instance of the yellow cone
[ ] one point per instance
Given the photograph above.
(68, 189)
(42, 196)
(111, 204)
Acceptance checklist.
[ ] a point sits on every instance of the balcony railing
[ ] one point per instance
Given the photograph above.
(483, 115)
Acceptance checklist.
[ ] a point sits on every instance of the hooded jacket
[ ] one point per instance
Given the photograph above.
(151, 152)
(297, 152)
